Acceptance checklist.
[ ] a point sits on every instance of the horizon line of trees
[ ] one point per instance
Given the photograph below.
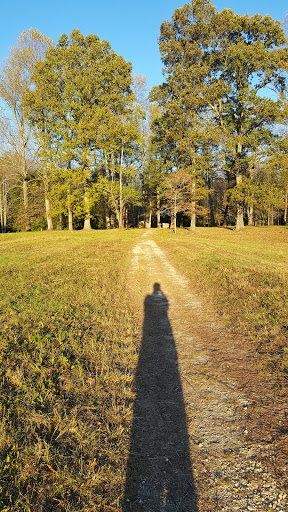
(82, 147)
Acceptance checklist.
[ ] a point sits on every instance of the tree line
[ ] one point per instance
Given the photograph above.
(83, 147)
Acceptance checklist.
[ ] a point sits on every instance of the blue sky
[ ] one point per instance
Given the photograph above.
(131, 27)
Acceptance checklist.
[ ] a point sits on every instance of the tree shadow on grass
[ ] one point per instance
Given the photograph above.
(159, 472)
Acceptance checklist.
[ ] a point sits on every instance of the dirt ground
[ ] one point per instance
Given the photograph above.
(207, 433)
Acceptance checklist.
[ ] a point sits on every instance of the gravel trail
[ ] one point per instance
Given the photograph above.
(194, 444)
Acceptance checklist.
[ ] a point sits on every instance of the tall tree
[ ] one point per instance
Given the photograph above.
(8, 175)
(222, 64)
(15, 79)
(176, 188)
(277, 175)
(81, 104)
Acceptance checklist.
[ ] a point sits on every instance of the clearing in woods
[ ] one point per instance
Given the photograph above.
(79, 319)
(197, 439)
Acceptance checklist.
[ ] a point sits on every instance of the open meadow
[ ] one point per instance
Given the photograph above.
(67, 358)
(70, 339)
(245, 276)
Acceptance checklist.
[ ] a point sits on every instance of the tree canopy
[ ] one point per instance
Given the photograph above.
(220, 67)
(85, 138)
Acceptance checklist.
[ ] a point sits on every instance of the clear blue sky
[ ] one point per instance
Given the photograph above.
(131, 27)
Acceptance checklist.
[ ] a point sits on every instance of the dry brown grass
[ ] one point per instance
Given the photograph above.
(67, 357)
(69, 346)
(245, 276)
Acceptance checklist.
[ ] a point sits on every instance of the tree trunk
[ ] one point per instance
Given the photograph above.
(47, 207)
(107, 221)
(121, 191)
(272, 216)
(150, 219)
(1, 213)
(193, 206)
(107, 216)
(239, 208)
(117, 211)
(23, 173)
(60, 222)
(70, 212)
(286, 207)
(146, 219)
(240, 217)
(48, 216)
(3, 208)
(193, 216)
(251, 215)
(70, 218)
(114, 222)
(158, 209)
(211, 210)
(87, 220)
(125, 217)
(174, 217)
(239, 179)
(26, 205)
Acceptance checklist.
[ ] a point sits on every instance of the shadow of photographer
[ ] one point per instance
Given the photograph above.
(159, 472)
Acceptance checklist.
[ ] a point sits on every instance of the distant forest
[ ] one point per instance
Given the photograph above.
(85, 145)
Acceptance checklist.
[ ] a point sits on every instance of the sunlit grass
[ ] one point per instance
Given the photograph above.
(69, 347)
(245, 276)
(67, 357)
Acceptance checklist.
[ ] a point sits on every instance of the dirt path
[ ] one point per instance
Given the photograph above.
(194, 444)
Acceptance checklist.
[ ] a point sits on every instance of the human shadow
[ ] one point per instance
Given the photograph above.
(159, 472)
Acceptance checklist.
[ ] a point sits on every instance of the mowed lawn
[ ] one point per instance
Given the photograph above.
(69, 344)
(245, 275)
(68, 351)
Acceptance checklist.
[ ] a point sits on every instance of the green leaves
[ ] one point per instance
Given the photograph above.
(220, 66)
(82, 107)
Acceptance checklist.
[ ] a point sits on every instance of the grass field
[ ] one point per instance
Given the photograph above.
(245, 275)
(67, 357)
(70, 342)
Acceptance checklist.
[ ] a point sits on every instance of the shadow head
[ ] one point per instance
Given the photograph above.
(157, 289)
